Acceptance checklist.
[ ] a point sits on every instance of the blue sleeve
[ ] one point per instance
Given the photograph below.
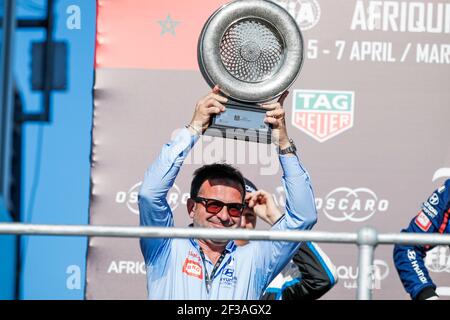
(408, 259)
(159, 178)
(301, 211)
(300, 214)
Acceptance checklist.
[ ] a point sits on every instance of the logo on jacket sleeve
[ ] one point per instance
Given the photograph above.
(423, 222)
(416, 267)
(428, 209)
(434, 199)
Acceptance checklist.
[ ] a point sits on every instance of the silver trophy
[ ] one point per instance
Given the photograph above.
(253, 49)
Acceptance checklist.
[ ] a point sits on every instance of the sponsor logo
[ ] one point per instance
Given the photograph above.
(355, 205)
(434, 199)
(305, 12)
(441, 173)
(126, 267)
(130, 198)
(228, 273)
(438, 259)
(429, 210)
(228, 277)
(192, 268)
(423, 222)
(323, 114)
(411, 254)
(349, 274)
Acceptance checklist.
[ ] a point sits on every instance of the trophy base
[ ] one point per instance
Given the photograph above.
(241, 121)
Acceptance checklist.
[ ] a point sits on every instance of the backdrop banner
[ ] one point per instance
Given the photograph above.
(369, 114)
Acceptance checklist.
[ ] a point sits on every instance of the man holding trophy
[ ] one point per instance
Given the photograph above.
(219, 269)
(210, 269)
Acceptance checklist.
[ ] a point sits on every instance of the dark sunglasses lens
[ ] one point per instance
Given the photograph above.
(214, 206)
(235, 210)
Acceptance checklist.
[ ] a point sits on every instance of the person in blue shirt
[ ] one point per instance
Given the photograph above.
(217, 269)
(309, 275)
(409, 259)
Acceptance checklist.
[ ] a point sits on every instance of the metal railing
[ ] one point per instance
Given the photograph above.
(366, 239)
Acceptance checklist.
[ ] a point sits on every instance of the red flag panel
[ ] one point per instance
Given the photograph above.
(150, 34)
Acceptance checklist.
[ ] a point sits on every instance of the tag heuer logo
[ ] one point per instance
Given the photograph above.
(323, 114)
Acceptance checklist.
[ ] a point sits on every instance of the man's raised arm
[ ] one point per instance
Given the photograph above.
(160, 176)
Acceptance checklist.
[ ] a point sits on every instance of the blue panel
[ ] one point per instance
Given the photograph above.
(56, 166)
(7, 258)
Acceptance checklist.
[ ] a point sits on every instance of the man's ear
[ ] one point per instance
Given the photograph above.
(190, 207)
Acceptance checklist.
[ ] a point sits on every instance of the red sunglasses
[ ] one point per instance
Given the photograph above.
(215, 206)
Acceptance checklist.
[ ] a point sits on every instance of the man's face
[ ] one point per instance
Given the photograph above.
(219, 189)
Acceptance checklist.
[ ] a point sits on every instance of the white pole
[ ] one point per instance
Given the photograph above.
(164, 232)
(367, 240)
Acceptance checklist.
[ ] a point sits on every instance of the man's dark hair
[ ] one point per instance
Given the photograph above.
(216, 171)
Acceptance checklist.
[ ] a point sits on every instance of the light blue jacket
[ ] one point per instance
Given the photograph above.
(175, 269)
